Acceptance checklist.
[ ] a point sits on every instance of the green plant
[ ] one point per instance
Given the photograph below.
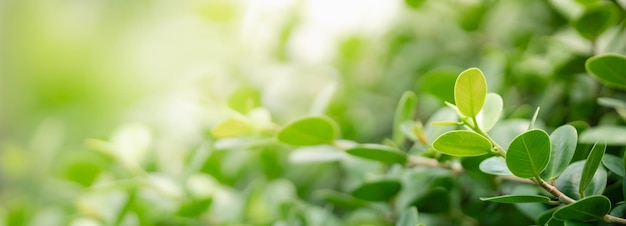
(565, 191)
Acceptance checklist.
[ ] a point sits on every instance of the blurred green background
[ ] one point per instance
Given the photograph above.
(107, 106)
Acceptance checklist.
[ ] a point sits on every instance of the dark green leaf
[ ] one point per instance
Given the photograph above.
(404, 113)
(377, 191)
(529, 154)
(470, 91)
(609, 69)
(591, 166)
(569, 181)
(495, 165)
(594, 21)
(587, 209)
(462, 143)
(341, 199)
(408, 217)
(545, 217)
(194, 208)
(563, 141)
(311, 130)
(379, 153)
(519, 199)
(614, 164)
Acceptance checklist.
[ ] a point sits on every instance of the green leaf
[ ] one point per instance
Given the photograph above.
(520, 199)
(620, 106)
(230, 128)
(614, 164)
(340, 199)
(624, 181)
(470, 91)
(609, 68)
(313, 130)
(534, 119)
(490, 114)
(591, 208)
(377, 191)
(563, 141)
(495, 165)
(194, 208)
(462, 143)
(529, 154)
(440, 83)
(404, 112)
(245, 99)
(408, 217)
(612, 135)
(591, 166)
(594, 21)
(377, 152)
(569, 181)
(545, 217)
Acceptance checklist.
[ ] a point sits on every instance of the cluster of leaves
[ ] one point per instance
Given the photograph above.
(474, 161)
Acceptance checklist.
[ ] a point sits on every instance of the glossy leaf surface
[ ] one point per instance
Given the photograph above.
(563, 144)
(528, 154)
(462, 143)
(591, 166)
(588, 209)
(470, 91)
(312, 130)
(609, 69)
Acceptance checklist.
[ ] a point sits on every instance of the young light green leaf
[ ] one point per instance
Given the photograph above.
(230, 128)
(534, 119)
(470, 90)
(312, 130)
(609, 69)
(404, 112)
(376, 191)
(462, 143)
(563, 141)
(591, 165)
(490, 114)
(614, 164)
(569, 181)
(408, 217)
(245, 99)
(529, 154)
(377, 152)
(591, 208)
(520, 199)
(495, 165)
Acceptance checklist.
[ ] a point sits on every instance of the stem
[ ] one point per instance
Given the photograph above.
(497, 149)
